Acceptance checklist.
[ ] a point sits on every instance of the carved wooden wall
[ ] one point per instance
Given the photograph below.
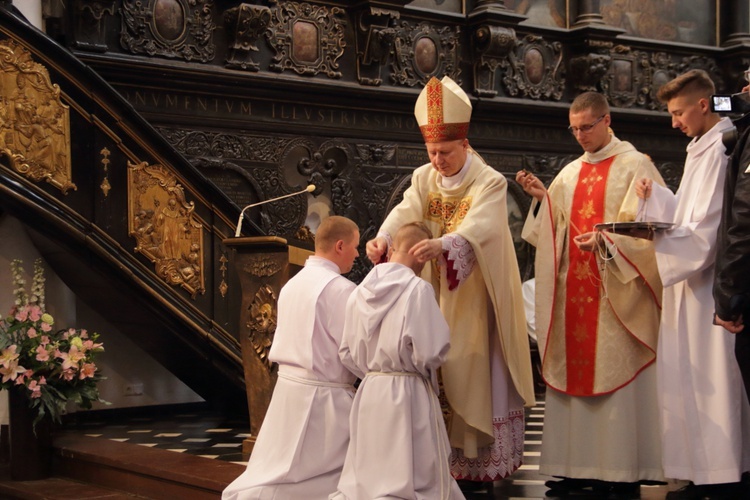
(267, 96)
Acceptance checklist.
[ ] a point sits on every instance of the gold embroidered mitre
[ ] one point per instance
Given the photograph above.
(443, 111)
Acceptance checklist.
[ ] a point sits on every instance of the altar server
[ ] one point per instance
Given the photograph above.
(302, 443)
(395, 338)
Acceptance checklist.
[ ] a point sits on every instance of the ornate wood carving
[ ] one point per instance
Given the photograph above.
(262, 323)
(374, 38)
(587, 70)
(89, 23)
(34, 122)
(105, 186)
(168, 28)
(224, 145)
(165, 227)
(491, 45)
(307, 38)
(423, 51)
(317, 164)
(245, 24)
(535, 69)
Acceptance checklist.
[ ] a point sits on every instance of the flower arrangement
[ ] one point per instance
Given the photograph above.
(55, 366)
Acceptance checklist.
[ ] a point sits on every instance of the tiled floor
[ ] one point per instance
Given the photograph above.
(213, 436)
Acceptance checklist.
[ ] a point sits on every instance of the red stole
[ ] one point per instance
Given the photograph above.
(582, 293)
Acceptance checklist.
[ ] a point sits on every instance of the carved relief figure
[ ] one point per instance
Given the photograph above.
(165, 227)
(34, 123)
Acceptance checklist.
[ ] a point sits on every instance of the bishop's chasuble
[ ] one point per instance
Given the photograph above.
(597, 320)
(486, 376)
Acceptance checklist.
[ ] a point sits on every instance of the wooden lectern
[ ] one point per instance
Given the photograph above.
(263, 265)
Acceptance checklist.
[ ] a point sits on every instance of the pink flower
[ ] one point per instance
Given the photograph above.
(42, 354)
(31, 333)
(36, 388)
(45, 340)
(35, 313)
(68, 374)
(46, 327)
(22, 314)
(87, 371)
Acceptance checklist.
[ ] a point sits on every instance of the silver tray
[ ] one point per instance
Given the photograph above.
(633, 228)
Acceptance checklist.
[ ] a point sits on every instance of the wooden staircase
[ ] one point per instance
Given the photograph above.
(87, 468)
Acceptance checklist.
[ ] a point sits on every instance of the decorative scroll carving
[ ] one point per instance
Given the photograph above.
(316, 164)
(422, 51)
(286, 216)
(374, 41)
(165, 227)
(245, 24)
(307, 38)
(34, 122)
(262, 267)
(535, 69)
(491, 45)
(105, 186)
(168, 28)
(262, 323)
(223, 145)
(89, 29)
(587, 70)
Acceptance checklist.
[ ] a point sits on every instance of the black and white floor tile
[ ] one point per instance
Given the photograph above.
(212, 436)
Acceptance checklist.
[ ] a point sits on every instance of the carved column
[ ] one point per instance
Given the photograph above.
(484, 5)
(736, 25)
(588, 13)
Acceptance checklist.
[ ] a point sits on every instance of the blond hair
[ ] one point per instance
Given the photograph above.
(410, 234)
(695, 81)
(594, 101)
(333, 229)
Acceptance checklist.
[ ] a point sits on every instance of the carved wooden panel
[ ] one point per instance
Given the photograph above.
(165, 227)
(308, 39)
(422, 51)
(34, 122)
(168, 28)
(245, 25)
(535, 69)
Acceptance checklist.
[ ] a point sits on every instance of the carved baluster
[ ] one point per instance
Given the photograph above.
(736, 14)
(589, 12)
(482, 5)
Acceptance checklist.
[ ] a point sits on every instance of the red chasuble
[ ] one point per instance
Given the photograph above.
(583, 281)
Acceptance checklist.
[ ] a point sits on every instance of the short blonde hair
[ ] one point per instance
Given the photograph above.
(410, 234)
(594, 101)
(332, 229)
(695, 81)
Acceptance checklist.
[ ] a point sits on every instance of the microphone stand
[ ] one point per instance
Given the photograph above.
(308, 189)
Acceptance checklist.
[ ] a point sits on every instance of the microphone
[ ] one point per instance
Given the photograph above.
(308, 189)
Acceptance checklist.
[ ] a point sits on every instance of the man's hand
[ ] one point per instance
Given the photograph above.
(643, 188)
(427, 250)
(376, 248)
(735, 326)
(531, 184)
(587, 242)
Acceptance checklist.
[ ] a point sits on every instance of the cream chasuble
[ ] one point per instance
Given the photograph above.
(613, 315)
(489, 300)
(597, 317)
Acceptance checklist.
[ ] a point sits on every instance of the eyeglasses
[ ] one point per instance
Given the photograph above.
(584, 129)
